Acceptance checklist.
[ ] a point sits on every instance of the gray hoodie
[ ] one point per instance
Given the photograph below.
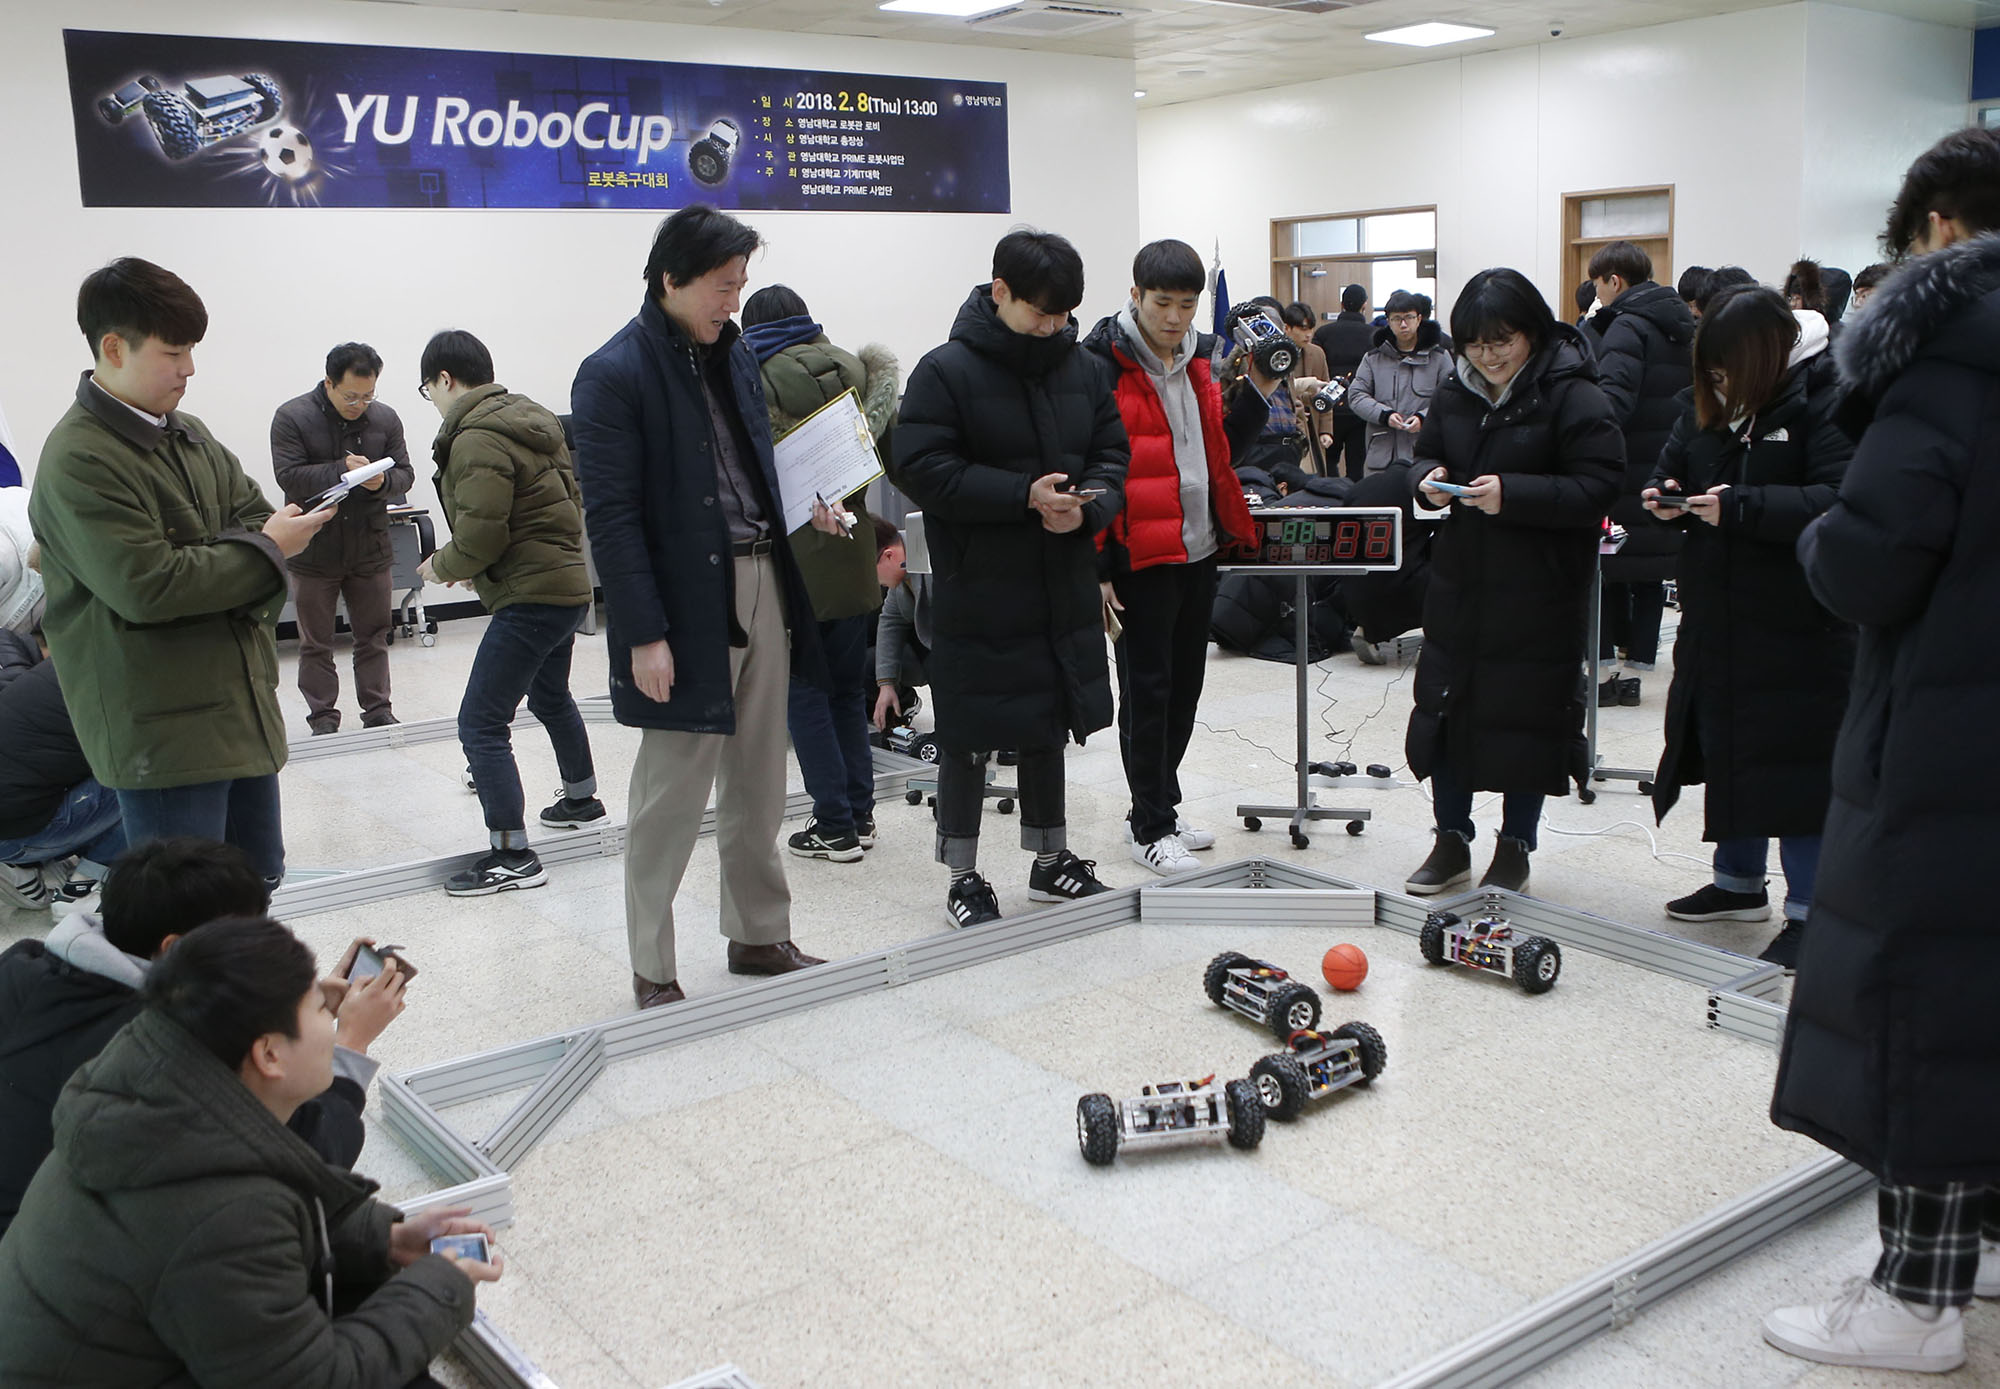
(1183, 409)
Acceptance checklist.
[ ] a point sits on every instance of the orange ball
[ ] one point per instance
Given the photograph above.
(1344, 967)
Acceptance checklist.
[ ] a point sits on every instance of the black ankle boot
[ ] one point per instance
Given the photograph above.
(1509, 868)
(1449, 865)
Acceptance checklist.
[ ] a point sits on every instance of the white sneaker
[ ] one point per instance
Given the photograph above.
(1166, 856)
(1189, 836)
(1986, 1283)
(23, 885)
(1194, 838)
(1867, 1327)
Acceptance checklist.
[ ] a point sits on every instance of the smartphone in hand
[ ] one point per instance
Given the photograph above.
(369, 961)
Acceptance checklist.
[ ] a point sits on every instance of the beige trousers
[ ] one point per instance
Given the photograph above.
(674, 774)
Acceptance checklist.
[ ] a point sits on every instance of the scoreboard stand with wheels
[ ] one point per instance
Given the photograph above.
(1307, 543)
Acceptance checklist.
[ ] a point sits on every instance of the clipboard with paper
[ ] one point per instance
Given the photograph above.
(830, 453)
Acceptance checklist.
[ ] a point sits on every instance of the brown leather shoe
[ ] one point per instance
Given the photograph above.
(780, 958)
(651, 995)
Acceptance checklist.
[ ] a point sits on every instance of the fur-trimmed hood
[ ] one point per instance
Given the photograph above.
(1924, 307)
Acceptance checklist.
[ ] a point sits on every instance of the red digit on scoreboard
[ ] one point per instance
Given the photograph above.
(1381, 538)
(1346, 537)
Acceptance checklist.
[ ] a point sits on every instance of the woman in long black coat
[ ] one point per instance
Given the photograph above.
(994, 424)
(1892, 1043)
(1760, 668)
(1524, 429)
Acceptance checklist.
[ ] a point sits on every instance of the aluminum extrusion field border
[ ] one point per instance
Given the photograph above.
(322, 891)
(559, 1068)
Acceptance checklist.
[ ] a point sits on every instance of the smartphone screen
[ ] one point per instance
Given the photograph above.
(472, 1247)
(367, 964)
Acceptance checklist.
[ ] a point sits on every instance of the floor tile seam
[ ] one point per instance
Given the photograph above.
(637, 1117)
(548, 1294)
(1098, 1312)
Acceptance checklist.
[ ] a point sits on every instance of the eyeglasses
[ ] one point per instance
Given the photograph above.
(1406, 319)
(424, 389)
(352, 399)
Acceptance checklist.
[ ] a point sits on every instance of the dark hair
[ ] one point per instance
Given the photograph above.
(886, 533)
(1692, 280)
(1719, 280)
(1172, 266)
(1870, 276)
(1407, 301)
(1621, 258)
(1803, 279)
(772, 303)
(458, 352)
(167, 887)
(232, 981)
(694, 241)
(136, 299)
(1354, 298)
(357, 358)
(1958, 177)
(1495, 303)
(1839, 286)
(1041, 269)
(1586, 295)
(1297, 314)
(1747, 331)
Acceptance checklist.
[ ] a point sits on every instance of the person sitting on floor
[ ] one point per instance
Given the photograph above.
(62, 1000)
(178, 1234)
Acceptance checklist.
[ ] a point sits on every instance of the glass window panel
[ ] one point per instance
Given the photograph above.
(1643, 214)
(1334, 236)
(1385, 277)
(1399, 231)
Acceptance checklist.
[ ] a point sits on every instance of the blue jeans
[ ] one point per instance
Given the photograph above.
(243, 812)
(830, 732)
(1740, 865)
(87, 823)
(1451, 803)
(525, 651)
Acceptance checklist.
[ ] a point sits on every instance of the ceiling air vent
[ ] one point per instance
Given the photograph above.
(1047, 21)
(1295, 6)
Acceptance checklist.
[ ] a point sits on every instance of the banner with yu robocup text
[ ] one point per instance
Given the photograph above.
(177, 121)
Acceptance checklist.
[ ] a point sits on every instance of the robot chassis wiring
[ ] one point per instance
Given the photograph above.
(1174, 1111)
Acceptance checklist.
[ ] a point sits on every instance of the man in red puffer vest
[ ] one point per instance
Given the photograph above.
(1184, 510)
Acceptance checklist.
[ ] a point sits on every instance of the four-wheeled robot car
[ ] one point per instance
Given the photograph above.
(1261, 992)
(1175, 1111)
(1318, 1064)
(206, 111)
(1490, 943)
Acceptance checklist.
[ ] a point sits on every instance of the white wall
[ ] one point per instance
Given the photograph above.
(1782, 129)
(542, 288)
(1879, 91)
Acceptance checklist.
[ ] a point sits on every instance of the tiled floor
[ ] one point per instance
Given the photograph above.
(887, 1192)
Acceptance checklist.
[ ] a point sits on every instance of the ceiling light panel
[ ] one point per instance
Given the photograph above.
(1426, 35)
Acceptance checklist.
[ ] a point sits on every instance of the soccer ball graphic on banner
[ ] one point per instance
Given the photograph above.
(286, 153)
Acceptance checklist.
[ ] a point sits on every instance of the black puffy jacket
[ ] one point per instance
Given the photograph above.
(40, 758)
(53, 1018)
(1499, 686)
(1645, 359)
(1760, 668)
(1018, 660)
(645, 461)
(1892, 1049)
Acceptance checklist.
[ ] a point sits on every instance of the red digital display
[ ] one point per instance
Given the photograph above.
(1356, 539)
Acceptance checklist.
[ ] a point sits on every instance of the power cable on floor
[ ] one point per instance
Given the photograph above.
(1652, 843)
(1285, 758)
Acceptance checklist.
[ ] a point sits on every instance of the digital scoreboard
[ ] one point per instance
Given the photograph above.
(1342, 537)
